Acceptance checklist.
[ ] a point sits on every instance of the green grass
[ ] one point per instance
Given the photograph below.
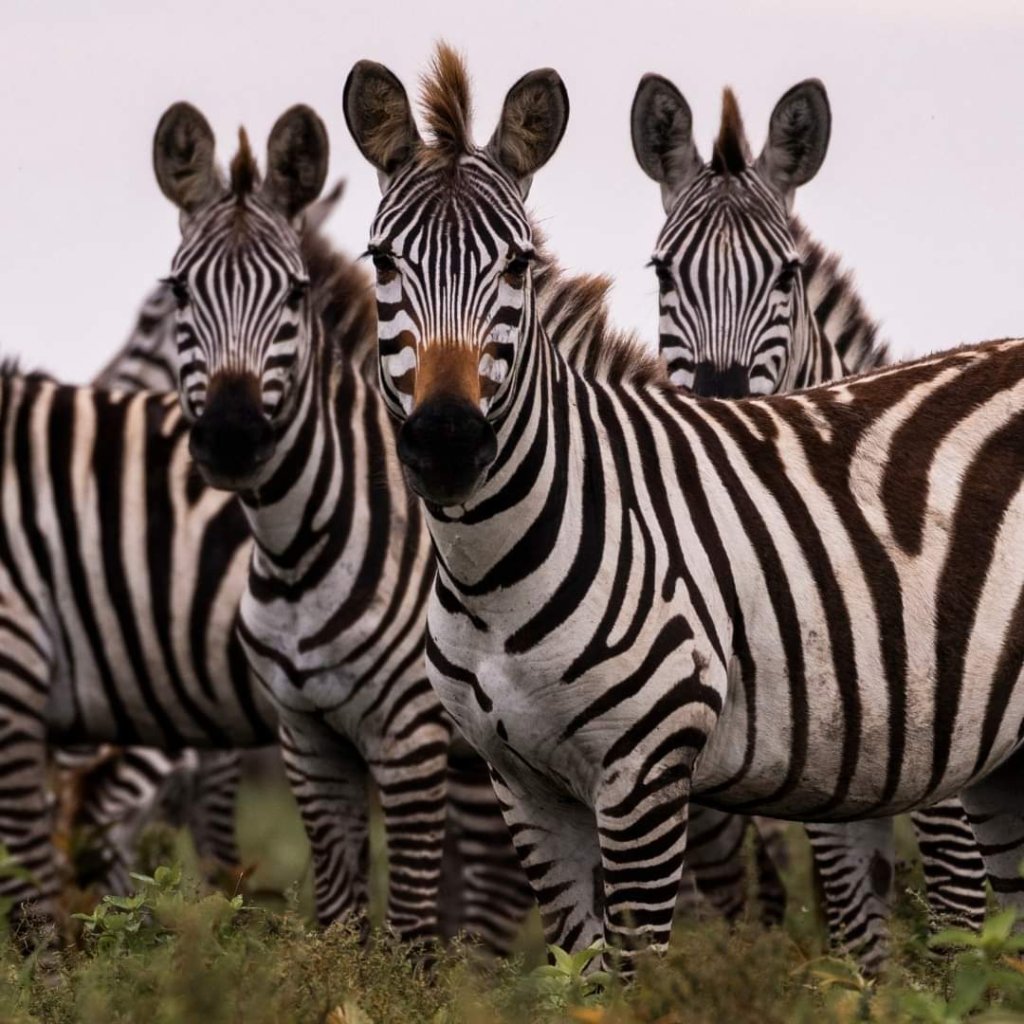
(178, 953)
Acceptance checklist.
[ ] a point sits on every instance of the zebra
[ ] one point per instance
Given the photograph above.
(775, 602)
(331, 617)
(729, 248)
(116, 794)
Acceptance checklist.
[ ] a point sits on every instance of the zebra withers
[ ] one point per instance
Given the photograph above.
(802, 605)
(749, 304)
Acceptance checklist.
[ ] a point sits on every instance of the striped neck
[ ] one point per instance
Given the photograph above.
(290, 515)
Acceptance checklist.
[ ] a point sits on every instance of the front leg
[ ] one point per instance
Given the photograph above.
(555, 837)
(26, 821)
(642, 810)
(411, 777)
(330, 782)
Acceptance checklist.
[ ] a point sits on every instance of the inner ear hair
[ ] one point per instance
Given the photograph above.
(533, 121)
(379, 116)
(297, 155)
(661, 124)
(183, 158)
(798, 137)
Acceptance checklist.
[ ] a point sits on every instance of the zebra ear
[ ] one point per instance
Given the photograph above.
(379, 116)
(532, 124)
(297, 155)
(183, 158)
(798, 137)
(316, 215)
(662, 128)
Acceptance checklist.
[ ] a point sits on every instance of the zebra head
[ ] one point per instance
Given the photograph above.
(733, 316)
(452, 246)
(244, 322)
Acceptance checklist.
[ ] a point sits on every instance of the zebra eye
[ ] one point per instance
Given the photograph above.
(384, 264)
(662, 272)
(297, 293)
(515, 271)
(787, 276)
(179, 290)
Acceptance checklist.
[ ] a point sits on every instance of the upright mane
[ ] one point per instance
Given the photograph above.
(837, 306)
(573, 309)
(342, 296)
(731, 153)
(447, 107)
(245, 174)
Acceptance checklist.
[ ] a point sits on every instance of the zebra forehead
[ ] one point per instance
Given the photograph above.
(740, 208)
(243, 229)
(480, 198)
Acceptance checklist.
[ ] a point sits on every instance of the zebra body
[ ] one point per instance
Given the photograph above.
(770, 603)
(749, 303)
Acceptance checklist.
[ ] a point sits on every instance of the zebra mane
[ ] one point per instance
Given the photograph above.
(447, 108)
(10, 367)
(837, 306)
(574, 311)
(342, 297)
(731, 152)
(245, 174)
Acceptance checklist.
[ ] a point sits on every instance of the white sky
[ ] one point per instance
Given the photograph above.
(922, 191)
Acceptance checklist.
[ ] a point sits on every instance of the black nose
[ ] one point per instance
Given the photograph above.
(446, 445)
(712, 381)
(232, 438)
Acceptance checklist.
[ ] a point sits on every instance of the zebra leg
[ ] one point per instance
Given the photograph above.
(211, 818)
(485, 893)
(412, 782)
(854, 863)
(555, 837)
(714, 853)
(120, 794)
(954, 870)
(642, 824)
(330, 782)
(995, 809)
(771, 856)
(25, 812)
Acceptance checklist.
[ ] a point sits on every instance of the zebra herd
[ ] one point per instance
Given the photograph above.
(453, 538)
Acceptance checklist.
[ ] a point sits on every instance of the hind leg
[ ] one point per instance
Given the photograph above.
(995, 809)
(485, 893)
(854, 863)
(954, 870)
(212, 817)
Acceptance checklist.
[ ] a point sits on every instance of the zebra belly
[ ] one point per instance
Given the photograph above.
(785, 776)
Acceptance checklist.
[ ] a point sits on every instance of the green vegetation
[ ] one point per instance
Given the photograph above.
(176, 952)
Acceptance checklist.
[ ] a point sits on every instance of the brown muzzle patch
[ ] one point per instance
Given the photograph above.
(448, 369)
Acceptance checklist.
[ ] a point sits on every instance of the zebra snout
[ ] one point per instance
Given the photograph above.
(711, 381)
(232, 439)
(446, 445)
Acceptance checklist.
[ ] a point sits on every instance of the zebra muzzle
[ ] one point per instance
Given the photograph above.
(446, 446)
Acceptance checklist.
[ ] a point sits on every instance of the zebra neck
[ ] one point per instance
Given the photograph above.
(291, 515)
(514, 504)
(818, 361)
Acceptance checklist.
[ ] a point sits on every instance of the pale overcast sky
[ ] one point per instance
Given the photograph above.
(922, 191)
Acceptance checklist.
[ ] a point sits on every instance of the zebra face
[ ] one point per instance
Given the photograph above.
(452, 246)
(452, 250)
(244, 319)
(732, 311)
(733, 315)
